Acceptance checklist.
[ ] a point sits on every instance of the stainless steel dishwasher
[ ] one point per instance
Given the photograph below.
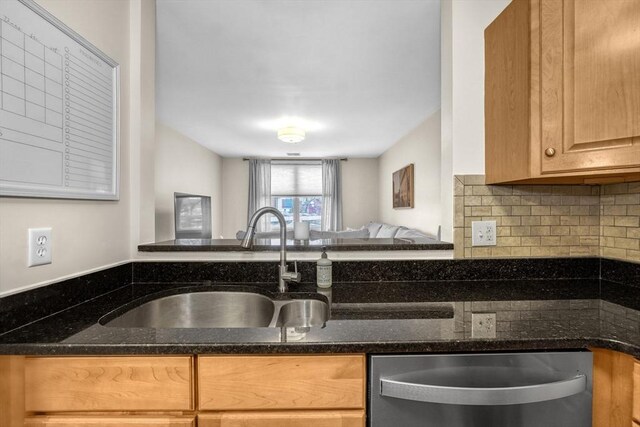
(481, 390)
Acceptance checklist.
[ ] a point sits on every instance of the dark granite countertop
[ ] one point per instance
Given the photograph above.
(266, 245)
(371, 317)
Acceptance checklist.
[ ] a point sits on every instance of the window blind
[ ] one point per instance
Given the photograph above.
(296, 178)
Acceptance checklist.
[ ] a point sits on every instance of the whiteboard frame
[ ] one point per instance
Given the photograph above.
(82, 195)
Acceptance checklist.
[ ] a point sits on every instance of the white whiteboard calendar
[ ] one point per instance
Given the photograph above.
(58, 109)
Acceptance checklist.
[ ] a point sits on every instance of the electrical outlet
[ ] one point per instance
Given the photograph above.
(483, 233)
(483, 325)
(39, 246)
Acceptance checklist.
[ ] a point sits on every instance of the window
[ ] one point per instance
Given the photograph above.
(296, 191)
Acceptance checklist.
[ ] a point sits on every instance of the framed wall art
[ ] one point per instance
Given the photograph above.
(403, 188)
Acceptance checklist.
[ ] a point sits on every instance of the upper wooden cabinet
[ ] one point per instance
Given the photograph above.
(562, 92)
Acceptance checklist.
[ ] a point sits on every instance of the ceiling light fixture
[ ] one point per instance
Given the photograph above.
(289, 121)
(291, 134)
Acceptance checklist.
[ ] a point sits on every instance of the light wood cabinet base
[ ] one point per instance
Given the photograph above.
(140, 383)
(636, 391)
(241, 383)
(109, 421)
(160, 391)
(283, 419)
(11, 391)
(612, 388)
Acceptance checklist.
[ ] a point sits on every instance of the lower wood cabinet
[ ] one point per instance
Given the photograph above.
(283, 419)
(145, 383)
(160, 391)
(281, 382)
(234, 391)
(613, 388)
(11, 391)
(636, 392)
(109, 421)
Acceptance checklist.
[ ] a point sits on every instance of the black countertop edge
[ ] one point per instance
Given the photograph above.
(463, 346)
(335, 245)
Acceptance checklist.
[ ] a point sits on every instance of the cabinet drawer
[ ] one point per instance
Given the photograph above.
(281, 382)
(636, 391)
(284, 419)
(102, 421)
(108, 384)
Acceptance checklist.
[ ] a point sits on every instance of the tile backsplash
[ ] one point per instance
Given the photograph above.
(620, 221)
(548, 220)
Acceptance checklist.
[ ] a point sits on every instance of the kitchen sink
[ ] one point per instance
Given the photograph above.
(222, 309)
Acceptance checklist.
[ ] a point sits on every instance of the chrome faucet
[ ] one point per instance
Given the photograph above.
(285, 276)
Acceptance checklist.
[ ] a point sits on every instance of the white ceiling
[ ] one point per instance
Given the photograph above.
(362, 73)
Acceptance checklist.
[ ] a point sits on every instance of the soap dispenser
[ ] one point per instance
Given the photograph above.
(323, 273)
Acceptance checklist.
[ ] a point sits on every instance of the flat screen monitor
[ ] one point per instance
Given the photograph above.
(192, 216)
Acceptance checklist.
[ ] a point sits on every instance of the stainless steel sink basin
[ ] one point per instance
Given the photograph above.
(302, 313)
(219, 309)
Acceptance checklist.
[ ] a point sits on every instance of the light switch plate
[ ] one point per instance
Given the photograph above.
(483, 233)
(39, 246)
(483, 325)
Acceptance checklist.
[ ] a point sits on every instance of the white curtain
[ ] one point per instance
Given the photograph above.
(259, 190)
(331, 195)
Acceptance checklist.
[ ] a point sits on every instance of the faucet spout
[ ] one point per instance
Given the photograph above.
(284, 275)
(247, 240)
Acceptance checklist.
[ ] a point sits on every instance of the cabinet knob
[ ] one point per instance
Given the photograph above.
(550, 152)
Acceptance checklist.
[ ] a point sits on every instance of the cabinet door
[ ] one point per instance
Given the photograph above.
(636, 391)
(590, 85)
(284, 419)
(63, 384)
(12, 391)
(109, 421)
(612, 388)
(243, 383)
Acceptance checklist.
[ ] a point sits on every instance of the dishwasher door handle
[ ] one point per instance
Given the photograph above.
(483, 396)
